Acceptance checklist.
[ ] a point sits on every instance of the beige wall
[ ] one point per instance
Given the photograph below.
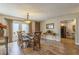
(35, 26)
(69, 26)
(56, 27)
(2, 20)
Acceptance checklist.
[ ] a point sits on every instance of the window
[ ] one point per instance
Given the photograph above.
(15, 27)
(25, 27)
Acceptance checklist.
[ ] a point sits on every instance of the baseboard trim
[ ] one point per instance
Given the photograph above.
(58, 40)
(77, 43)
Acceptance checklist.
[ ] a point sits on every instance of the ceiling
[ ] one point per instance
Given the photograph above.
(38, 11)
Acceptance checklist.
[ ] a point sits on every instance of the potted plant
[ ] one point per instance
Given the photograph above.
(2, 27)
(51, 32)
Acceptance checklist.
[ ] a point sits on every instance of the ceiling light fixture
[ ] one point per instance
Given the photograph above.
(27, 20)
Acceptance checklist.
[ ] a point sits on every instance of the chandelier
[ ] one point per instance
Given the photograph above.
(27, 20)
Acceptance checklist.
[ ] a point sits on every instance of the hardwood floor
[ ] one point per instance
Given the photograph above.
(65, 47)
(14, 49)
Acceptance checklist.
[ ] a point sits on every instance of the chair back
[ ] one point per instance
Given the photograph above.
(19, 35)
(36, 40)
(37, 35)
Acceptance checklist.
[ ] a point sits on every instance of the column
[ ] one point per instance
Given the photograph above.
(77, 31)
(10, 29)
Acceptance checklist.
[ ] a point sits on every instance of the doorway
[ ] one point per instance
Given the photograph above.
(63, 31)
(68, 31)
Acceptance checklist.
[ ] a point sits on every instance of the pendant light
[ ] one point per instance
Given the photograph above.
(27, 20)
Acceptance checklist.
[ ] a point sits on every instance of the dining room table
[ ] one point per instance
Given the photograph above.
(27, 39)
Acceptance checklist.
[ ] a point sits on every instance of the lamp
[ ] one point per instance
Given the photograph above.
(27, 20)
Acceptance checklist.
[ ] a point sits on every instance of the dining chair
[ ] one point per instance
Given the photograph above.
(20, 42)
(36, 41)
(23, 39)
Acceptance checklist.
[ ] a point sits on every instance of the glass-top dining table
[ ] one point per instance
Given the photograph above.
(27, 39)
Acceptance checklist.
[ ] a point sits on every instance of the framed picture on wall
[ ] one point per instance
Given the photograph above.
(50, 26)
